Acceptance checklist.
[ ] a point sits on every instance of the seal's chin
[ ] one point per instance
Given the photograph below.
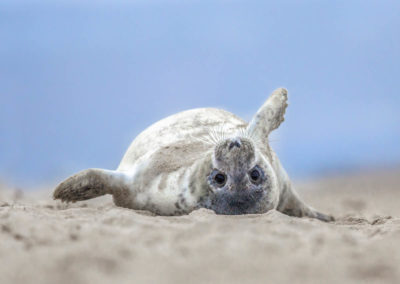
(236, 203)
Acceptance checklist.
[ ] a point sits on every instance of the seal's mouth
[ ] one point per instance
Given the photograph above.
(241, 203)
(236, 203)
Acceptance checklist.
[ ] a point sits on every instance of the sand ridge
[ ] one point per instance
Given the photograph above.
(43, 241)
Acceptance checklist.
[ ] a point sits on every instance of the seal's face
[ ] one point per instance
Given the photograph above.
(241, 182)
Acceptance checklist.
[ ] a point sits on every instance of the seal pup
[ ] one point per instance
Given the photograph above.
(200, 158)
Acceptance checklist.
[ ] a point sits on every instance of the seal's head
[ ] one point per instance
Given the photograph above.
(242, 180)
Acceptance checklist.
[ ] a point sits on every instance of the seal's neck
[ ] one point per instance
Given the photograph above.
(198, 180)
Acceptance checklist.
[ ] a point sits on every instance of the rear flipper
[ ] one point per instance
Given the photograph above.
(292, 205)
(93, 183)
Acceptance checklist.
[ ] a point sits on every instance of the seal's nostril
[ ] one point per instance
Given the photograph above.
(234, 143)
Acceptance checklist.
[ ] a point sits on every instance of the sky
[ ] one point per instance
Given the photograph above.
(80, 79)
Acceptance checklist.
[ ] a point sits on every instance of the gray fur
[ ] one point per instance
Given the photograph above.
(199, 158)
(93, 183)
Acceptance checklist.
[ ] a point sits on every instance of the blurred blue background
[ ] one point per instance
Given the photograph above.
(80, 79)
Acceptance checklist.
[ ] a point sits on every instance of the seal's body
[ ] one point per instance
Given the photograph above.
(201, 158)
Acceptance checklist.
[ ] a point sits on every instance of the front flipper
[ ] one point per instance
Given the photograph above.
(92, 183)
(290, 204)
(269, 116)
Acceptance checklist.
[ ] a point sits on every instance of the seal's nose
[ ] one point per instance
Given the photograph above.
(235, 143)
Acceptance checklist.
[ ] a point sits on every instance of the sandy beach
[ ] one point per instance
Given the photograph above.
(44, 241)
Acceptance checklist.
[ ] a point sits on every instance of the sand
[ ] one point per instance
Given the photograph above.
(44, 241)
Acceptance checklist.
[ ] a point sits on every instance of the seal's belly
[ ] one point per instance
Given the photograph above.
(166, 193)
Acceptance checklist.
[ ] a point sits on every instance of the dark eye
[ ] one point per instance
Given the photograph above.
(254, 175)
(220, 179)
